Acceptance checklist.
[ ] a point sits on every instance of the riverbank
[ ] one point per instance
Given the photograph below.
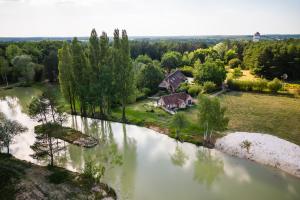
(23, 180)
(262, 148)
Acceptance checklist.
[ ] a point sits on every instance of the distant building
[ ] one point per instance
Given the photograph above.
(175, 101)
(256, 37)
(173, 81)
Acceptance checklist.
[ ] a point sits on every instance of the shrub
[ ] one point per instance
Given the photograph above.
(194, 90)
(246, 145)
(237, 72)
(187, 71)
(209, 87)
(275, 85)
(248, 85)
(234, 63)
(184, 87)
(260, 85)
(58, 176)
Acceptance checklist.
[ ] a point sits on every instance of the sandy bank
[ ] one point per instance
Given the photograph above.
(265, 149)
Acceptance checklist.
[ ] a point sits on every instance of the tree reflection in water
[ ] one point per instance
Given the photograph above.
(179, 157)
(207, 167)
(129, 166)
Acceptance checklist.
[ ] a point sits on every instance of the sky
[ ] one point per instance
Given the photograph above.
(50, 18)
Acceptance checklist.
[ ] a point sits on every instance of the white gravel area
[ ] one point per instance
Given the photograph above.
(265, 149)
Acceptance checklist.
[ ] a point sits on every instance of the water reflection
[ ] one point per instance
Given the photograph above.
(129, 166)
(207, 167)
(179, 158)
(155, 166)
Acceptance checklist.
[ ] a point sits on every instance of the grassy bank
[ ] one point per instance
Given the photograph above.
(23, 180)
(263, 113)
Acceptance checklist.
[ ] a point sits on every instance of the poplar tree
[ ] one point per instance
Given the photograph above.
(107, 74)
(81, 75)
(96, 94)
(65, 77)
(125, 76)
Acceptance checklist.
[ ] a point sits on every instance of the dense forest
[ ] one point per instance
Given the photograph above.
(102, 72)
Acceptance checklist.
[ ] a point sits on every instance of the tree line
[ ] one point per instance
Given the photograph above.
(28, 62)
(97, 75)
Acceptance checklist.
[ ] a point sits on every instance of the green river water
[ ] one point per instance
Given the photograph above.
(155, 167)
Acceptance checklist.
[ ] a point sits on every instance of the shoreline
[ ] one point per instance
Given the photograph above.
(25, 180)
(263, 149)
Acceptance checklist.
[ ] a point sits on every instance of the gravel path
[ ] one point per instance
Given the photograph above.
(265, 149)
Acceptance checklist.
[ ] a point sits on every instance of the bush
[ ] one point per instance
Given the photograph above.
(184, 87)
(275, 85)
(58, 176)
(234, 63)
(187, 71)
(260, 85)
(194, 90)
(237, 72)
(209, 87)
(247, 85)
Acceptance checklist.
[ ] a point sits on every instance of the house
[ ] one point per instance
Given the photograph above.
(256, 37)
(173, 81)
(175, 101)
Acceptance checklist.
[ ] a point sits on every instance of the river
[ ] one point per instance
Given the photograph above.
(154, 166)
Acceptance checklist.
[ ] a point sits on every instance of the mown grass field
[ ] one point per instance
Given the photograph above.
(263, 113)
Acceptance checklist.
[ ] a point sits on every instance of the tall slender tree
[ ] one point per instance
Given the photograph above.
(106, 72)
(95, 75)
(65, 77)
(80, 72)
(126, 74)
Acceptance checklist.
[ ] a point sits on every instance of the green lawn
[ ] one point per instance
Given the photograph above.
(276, 115)
(251, 112)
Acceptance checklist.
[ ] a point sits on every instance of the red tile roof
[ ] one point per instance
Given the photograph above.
(175, 98)
(174, 79)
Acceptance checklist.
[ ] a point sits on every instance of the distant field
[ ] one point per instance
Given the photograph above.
(276, 115)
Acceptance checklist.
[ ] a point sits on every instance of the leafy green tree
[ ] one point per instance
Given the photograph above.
(145, 59)
(211, 116)
(8, 130)
(44, 108)
(221, 48)
(234, 63)
(171, 60)
(229, 55)
(4, 69)
(149, 77)
(12, 51)
(179, 122)
(65, 76)
(51, 66)
(24, 68)
(210, 71)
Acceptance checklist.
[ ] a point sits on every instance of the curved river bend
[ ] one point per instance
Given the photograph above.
(155, 167)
